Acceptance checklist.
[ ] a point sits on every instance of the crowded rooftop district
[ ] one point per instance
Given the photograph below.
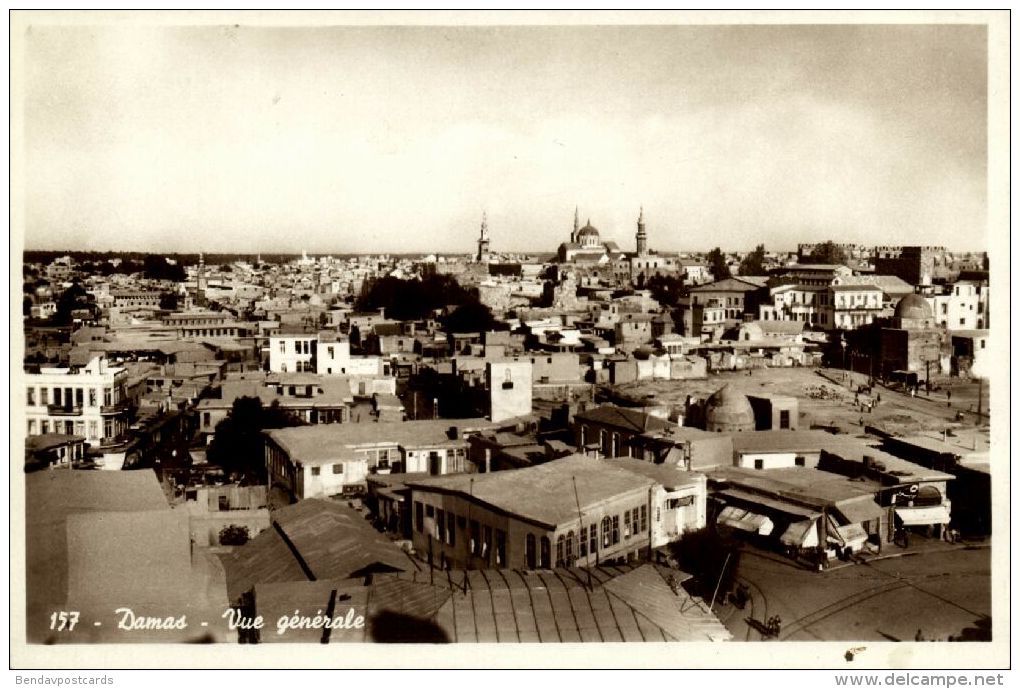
(602, 442)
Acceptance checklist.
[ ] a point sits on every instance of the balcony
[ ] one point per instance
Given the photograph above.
(116, 408)
(62, 410)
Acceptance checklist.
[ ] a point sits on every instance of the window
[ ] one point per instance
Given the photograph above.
(500, 548)
(93, 429)
(338, 468)
(759, 464)
(963, 321)
(799, 461)
(486, 542)
(315, 471)
(441, 525)
(206, 418)
(31, 396)
(644, 518)
(529, 551)
(283, 346)
(329, 352)
(635, 523)
(430, 511)
(475, 543)
(616, 529)
(569, 555)
(607, 533)
(583, 544)
(451, 532)
(31, 426)
(784, 418)
(419, 517)
(44, 396)
(626, 524)
(546, 552)
(593, 539)
(45, 427)
(559, 550)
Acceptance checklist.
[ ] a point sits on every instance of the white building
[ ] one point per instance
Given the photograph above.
(961, 309)
(90, 401)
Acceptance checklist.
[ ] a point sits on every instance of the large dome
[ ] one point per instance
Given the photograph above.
(728, 410)
(913, 307)
(588, 231)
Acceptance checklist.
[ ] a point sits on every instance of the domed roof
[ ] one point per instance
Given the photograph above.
(728, 406)
(913, 307)
(588, 231)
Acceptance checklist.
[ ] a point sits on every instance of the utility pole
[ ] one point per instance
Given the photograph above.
(719, 583)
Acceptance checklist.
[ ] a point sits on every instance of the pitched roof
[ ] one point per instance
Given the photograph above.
(631, 420)
(544, 494)
(312, 540)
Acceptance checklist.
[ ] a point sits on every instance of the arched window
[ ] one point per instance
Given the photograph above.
(546, 552)
(569, 554)
(607, 532)
(559, 550)
(529, 551)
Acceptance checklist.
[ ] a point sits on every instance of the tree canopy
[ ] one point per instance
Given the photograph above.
(754, 262)
(717, 264)
(413, 299)
(828, 253)
(238, 445)
(666, 289)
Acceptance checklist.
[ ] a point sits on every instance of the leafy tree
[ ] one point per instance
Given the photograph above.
(238, 445)
(828, 253)
(667, 289)
(473, 317)
(169, 301)
(708, 555)
(234, 534)
(754, 262)
(72, 298)
(717, 264)
(413, 299)
(157, 268)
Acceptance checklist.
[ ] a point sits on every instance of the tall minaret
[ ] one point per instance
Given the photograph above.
(577, 226)
(200, 281)
(483, 240)
(642, 238)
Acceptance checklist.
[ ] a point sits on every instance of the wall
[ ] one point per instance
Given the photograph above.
(510, 392)
(775, 460)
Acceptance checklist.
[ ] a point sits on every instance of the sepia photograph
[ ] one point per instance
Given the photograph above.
(546, 331)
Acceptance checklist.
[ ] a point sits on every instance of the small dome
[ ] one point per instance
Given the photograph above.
(728, 410)
(913, 307)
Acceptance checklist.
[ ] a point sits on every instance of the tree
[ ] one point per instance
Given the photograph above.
(73, 298)
(709, 557)
(717, 264)
(754, 262)
(474, 317)
(238, 445)
(234, 534)
(157, 268)
(169, 301)
(666, 289)
(827, 253)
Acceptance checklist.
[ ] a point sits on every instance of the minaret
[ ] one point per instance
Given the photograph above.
(483, 240)
(577, 226)
(200, 281)
(642, 238)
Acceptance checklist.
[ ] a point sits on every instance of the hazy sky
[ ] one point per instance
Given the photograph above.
(359, 139)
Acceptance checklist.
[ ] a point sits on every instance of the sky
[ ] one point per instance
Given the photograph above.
(395, 139)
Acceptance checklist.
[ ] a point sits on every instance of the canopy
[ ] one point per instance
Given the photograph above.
(800, 534)
(852, 534)
(858, 511)
(921, 516)
(738, 518)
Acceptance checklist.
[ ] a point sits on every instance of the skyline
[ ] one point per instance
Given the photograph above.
(356, 139)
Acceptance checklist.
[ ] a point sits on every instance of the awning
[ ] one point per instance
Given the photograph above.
(770, 503)
(921, 516)
(738, 518)
(797, 533)
(852, 534)
(858, 511)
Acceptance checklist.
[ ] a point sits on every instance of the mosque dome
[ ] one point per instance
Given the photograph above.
(728, 410)
(588, 236)
(913, 308)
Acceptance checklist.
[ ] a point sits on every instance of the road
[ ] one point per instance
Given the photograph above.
(938, 589)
